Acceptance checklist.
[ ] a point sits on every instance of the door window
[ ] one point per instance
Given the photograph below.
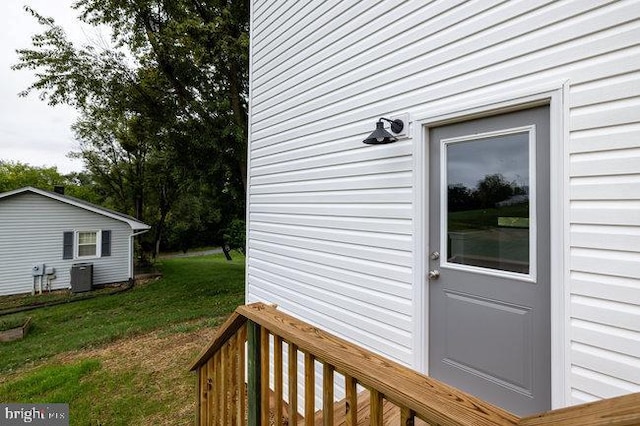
(488, 200)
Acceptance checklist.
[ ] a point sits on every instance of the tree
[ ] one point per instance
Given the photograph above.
(198, 49)
(492, 189)
(459, 198)
(235, 236)
(15, 175)
(163, 111)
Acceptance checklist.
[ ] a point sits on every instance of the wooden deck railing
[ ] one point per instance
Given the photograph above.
(223, 398)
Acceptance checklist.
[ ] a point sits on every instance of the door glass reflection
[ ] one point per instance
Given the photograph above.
(488, 202)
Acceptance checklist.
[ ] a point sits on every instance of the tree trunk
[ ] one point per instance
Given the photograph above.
(240, 116)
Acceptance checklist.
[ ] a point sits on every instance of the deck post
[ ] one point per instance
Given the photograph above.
(253, 379)
(199, 395)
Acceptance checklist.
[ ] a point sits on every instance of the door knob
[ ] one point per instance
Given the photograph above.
(434, 274)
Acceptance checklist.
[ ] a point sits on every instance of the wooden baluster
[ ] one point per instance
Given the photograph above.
(211, 408)
(254, 386)
(293, 384)
(407, 417)
(228, 383)
(205, 388)
(277, 361)
(241, 413)
(224, 381)
(198, 395)
(327, 395)
(376, 408)
(351, 414)
(204, 392)
(217, 391)
(233, 380)
(264, 381)
(309, 389)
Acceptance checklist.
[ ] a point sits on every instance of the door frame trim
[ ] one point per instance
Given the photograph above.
(476, 106)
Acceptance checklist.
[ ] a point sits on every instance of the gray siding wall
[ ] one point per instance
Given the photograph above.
(31, 232)
(331, 221)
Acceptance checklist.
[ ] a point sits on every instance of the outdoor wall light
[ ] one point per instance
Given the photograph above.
(380, 135)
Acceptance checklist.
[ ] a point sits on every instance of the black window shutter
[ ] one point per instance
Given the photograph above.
(67, 245)
(106, 243)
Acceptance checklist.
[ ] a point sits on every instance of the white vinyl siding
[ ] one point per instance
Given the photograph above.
(31, 232)
(331, 221)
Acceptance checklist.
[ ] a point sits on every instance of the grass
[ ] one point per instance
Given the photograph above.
(484, 218)
(96, 395)
(480, 241)
(123, 358)
(53, 384)
(192, 288)
(13, 321)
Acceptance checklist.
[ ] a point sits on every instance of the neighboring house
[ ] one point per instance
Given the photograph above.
(47, 228)
(534, 305)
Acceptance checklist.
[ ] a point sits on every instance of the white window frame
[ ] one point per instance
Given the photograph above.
(76, 244)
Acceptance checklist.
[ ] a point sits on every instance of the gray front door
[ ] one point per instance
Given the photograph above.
(489, 318)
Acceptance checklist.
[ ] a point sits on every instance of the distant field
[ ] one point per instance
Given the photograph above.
(123, 358)
(484, 218)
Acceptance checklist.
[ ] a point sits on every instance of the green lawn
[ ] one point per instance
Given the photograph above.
(484, 218)
(476, 237)
(195, 293)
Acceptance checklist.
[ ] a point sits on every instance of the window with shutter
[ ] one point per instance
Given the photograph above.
(87, 244)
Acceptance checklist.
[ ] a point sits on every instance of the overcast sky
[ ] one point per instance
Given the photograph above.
(470, 162)
(30, 130)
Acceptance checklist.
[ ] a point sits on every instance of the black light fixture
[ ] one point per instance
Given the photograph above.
(380, 135)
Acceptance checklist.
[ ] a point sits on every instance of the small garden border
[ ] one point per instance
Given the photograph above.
(15, 333)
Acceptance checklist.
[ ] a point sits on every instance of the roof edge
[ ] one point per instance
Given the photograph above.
(135, 224)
